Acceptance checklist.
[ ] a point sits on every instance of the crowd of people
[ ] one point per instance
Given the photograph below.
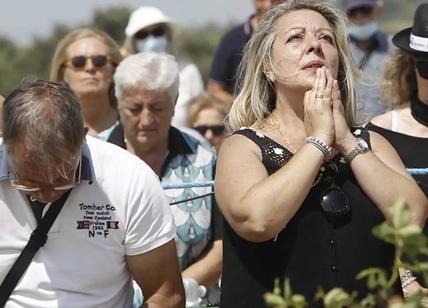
(309, 119)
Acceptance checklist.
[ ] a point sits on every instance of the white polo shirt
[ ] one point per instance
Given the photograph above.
(118, 209)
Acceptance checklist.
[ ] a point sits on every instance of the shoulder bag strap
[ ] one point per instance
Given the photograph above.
(37, 239)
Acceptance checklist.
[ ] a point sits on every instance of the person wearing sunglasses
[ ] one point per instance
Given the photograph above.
(299, 183)
(85, 60)
(405, 90)
(149, 29)
(147, 86)
(206, 115)
(370, 48)
(112, 223)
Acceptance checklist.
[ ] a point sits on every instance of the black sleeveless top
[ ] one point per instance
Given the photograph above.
(413, 151)
(312, 250)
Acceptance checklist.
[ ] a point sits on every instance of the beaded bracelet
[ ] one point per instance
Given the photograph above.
(327, 150)
(406, 277)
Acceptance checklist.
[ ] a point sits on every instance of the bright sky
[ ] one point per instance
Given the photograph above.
(21, 20)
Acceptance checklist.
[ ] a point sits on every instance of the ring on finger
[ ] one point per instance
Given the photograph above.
(319, 96)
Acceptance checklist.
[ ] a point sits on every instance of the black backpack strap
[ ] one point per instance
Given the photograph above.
(37, 239)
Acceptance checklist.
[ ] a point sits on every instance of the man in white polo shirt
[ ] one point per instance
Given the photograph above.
(115, 224)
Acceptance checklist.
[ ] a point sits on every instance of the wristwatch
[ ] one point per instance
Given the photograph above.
(360, 147)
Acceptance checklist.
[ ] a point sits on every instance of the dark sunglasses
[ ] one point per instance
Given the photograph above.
(97, 61)
(333, 200)
(142, 34)
(217, 130)
(422, 66)
(363, 10)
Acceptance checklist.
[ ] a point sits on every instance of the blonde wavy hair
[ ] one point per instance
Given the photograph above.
(204, 101)
(399, 79)
(60, 54)
(257, 99)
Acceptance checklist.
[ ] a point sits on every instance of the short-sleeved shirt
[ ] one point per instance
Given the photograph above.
(118, 209)
(229, 54)
(198, 221)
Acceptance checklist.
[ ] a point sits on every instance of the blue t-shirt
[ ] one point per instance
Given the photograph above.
(229, 54)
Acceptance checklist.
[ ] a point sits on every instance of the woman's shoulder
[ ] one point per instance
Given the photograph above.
(240, 141)
(383, 120)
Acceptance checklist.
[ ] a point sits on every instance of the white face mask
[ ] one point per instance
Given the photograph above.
(363, 32)
(151, 43)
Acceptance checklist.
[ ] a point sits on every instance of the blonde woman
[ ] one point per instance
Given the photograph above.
(206, 115)
(85, 60)
(300, 190)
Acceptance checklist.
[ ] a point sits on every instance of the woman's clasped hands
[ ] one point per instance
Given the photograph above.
(324, 112)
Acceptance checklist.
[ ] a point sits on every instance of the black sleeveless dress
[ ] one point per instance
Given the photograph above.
(313, 250)
(413, 151)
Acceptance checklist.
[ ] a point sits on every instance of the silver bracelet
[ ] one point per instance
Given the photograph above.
(327, 150)
(406, 277)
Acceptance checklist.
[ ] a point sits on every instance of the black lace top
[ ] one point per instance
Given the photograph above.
(312, 250)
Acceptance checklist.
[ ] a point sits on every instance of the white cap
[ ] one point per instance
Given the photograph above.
(143, 17)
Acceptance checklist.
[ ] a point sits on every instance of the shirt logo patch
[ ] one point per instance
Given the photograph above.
(97, 219)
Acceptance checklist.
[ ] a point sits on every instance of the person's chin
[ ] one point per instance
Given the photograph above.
(146, 135)
(91, 89)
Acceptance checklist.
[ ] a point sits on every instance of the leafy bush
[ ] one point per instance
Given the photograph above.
(410, 245)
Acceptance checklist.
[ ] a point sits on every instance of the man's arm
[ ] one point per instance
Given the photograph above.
(158, 275)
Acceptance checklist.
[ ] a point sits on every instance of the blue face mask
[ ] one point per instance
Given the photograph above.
(152, 43)
(363, 32)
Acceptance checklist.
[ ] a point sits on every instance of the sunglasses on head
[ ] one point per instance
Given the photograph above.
(217, 130)
(363, 10)
(333, 199)
(98, 61)
(142, 34)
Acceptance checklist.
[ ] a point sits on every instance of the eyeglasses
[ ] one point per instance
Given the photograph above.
(217, 130)
(142, 34)
(363, 10)
(333, 200)
(98, 61)
(27, 186)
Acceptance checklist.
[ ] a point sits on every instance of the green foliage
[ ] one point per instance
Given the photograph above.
(199, 45)
(195, 44)
(277, 300)
(410, 244)
(112, 20)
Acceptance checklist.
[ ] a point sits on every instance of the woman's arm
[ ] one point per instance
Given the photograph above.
(384, 178)
(256, 205)
(208, 268)
(380, 172)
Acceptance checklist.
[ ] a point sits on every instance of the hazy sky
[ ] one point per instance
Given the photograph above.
(21, 20)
